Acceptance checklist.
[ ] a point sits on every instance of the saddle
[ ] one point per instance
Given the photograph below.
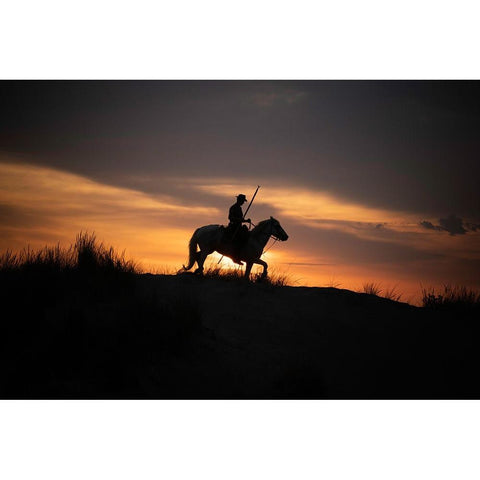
(235, 235)
(233, 239)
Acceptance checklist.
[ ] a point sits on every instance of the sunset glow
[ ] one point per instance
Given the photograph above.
(55, 206)
(46, 206)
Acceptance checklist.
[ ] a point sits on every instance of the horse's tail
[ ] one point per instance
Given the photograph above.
(192, 251)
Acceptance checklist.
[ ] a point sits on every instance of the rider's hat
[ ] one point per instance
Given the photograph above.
(242, 197)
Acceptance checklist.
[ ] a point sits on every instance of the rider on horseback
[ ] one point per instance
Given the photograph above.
(236, 233)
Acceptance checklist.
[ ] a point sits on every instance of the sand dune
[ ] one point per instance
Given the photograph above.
(79, 334)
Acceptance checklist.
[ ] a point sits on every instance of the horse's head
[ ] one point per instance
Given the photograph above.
(277, 230)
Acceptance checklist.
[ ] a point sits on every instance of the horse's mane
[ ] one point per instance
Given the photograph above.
(260, 225)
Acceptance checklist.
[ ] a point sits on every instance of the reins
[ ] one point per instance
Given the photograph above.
(275, 240)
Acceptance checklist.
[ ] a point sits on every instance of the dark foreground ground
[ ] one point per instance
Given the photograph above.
(184, 337)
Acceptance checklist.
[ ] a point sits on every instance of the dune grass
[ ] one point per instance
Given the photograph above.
(93, 255)
(334, 283)
(372, 288)
(392, 294)
(85, 255)
(375, 288)
(47, 258)
(451, 297)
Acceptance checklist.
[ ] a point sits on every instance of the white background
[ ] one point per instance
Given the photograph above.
(239, 440)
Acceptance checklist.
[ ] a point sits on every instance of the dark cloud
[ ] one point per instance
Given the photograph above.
(452, 224)
(472, 226)
(359, 226)
(430, 225)
(374, 143)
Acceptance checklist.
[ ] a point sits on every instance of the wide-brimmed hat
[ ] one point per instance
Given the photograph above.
(242, 197)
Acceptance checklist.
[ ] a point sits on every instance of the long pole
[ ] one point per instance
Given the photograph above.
(244, 215)
(251, 201)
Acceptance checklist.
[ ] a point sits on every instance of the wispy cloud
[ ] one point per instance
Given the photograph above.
(42, 205)
(317, 209)
(308, 264)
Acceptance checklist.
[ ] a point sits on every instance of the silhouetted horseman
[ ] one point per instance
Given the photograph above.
(236, 233)
(235, 214)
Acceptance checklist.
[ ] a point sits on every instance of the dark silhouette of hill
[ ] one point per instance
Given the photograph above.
(91, 326)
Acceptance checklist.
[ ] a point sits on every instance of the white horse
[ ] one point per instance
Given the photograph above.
(210, 239)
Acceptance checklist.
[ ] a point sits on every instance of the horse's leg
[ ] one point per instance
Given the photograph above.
(248, 269)
(202, 256)
(197, 257)
(264, 265)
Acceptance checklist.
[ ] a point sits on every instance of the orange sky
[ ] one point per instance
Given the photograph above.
(42, 206)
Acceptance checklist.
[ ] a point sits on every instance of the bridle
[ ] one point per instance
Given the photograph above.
(275, 238)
